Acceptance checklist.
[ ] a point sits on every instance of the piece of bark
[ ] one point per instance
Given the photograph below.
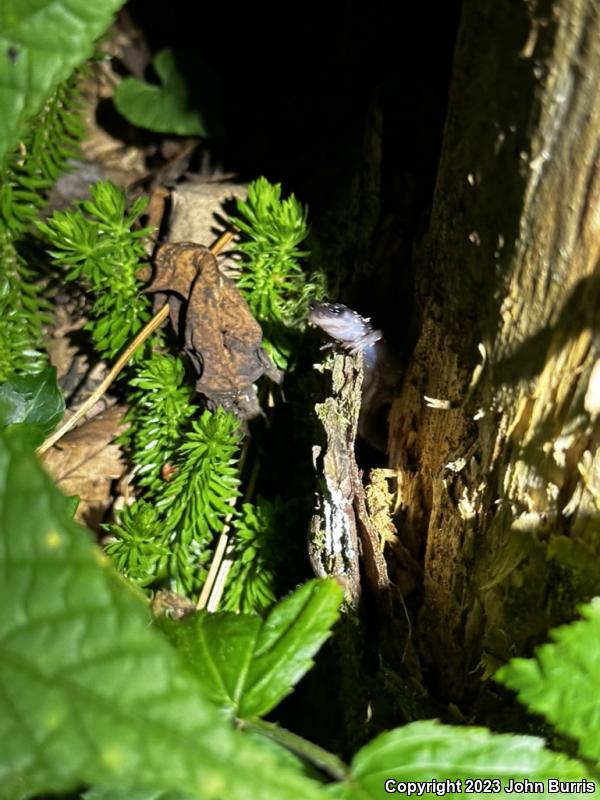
(333, 537)
(197, 213)
(342, 534)
(375, 568)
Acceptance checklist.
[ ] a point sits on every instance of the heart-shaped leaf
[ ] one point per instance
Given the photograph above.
(165, 108)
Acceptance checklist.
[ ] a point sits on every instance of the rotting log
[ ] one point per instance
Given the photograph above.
(499, 495)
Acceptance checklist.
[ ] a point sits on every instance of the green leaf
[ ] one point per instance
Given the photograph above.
(103, 793)
(165, 108)
(429, 751)
(41, 43)
(249, 664)
(563, 681)
(32, 399)
(90, 692)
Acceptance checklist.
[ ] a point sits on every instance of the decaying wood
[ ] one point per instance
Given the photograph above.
(342, 533)
(501, 492)
(333, 538)
(197, 213)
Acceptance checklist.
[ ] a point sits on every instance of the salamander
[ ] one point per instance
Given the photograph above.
(382, 371)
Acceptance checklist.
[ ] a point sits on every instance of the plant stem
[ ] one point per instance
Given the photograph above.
(154, 323)
(226, 557)
(325, 761)
(209, 583)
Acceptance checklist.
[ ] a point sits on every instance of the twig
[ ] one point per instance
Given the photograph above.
(221, 547)
(222, 559)
(215, 564)
(141, 337)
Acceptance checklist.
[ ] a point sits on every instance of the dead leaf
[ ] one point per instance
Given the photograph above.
(86, 461)
(197, 210)
(219, 334)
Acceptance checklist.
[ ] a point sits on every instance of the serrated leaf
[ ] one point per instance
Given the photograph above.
(165, 108)
(562, 682)
(428, 751)
(90, 692)
(249, 664)
(32, 399)
(103, 793)
(41, 43)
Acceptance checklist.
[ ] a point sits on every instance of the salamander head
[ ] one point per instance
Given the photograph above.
(343, 324)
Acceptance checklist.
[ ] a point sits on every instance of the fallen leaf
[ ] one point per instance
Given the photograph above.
(86, 461)
(213, 320)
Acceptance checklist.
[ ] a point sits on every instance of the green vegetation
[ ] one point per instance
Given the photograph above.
(26, 177)
(170, 538)
(273, 280)
(93, 692)
(165, 108)
(101, 248)
(42, 43)
(96, 693)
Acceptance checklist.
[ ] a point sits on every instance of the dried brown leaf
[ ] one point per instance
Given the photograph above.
(86, 461)
(219, 333)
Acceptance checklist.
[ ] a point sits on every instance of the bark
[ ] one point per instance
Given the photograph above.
(499, 495)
